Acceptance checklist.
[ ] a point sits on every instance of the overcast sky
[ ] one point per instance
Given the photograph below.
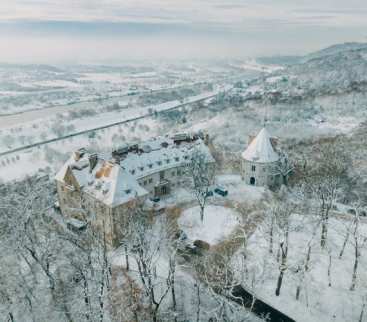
(82, 31)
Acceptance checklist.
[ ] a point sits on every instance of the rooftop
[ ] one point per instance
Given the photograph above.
(114, 179)
(261, 149)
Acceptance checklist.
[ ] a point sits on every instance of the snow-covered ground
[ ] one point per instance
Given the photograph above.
(238, 190)
(318, 301)
(219, 222)
(187, 286)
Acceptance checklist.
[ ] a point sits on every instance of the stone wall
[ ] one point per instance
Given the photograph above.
(262, 173)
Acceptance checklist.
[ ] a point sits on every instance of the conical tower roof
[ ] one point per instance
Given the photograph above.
(261, 149)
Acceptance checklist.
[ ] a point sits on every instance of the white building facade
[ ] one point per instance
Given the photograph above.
(260, 161)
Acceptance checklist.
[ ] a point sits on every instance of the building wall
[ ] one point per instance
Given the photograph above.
(69, 200)
(112, 220)
(176, 176)
(261, 172)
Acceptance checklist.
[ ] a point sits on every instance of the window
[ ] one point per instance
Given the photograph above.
(150, 180)
(159, 162)
(145, 182)
(253, 168)
(141, 168)
(178, 172)
(177, 159)
(161, 175)
(173, 173)
(150, 165)
(167, 160)
(132, 171)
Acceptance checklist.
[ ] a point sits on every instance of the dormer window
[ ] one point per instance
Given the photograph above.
(150, 165)
(141, 168)
(159, 162)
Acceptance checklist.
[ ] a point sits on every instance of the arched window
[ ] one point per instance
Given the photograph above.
(252, 181)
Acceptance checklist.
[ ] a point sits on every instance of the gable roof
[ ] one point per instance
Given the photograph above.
(114, 186)
(107, 182)
(261, 149)
(117, 182)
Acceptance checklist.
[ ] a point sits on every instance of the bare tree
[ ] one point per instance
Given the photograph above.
(364, 304)
(284, 168)
(202, 171)
(323, 181)
(358, 242)
(282, 213)
(215, 274)
(145, 248)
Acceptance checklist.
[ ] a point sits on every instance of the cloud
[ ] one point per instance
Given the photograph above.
(73, 29)
(234, 13)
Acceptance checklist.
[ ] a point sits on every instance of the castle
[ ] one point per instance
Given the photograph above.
(101, 189)
(107, 186)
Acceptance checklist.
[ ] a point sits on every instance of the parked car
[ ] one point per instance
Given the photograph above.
(57, 206)
(209, 193)
(76, 225)
(202, 245)
(181, 235)
(221, 191)
(155, 199)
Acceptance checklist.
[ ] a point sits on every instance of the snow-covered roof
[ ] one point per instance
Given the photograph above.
(113, 185)
(116, 182)
(162, 153)
(261, 149)
(107, 182)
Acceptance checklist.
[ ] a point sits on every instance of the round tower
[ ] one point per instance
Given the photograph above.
(260, 161)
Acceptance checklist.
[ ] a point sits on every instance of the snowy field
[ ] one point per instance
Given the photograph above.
(219, 222)
(24, 88)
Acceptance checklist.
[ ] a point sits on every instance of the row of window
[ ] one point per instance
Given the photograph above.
(149, 181)
(150, 165)
(173, 174)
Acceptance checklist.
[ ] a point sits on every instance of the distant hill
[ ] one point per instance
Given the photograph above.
(280, 60)
(334, 69)
(336, 49)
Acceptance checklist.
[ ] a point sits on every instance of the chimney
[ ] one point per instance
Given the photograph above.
(79, 154)
(206, 139)
(93, 159)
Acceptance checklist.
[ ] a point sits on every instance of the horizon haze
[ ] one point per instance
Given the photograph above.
(109, 31)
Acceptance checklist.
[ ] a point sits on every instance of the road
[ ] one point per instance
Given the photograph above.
(257, 306)
(163, 108)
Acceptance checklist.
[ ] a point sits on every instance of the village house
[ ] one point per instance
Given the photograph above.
(102, 188)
